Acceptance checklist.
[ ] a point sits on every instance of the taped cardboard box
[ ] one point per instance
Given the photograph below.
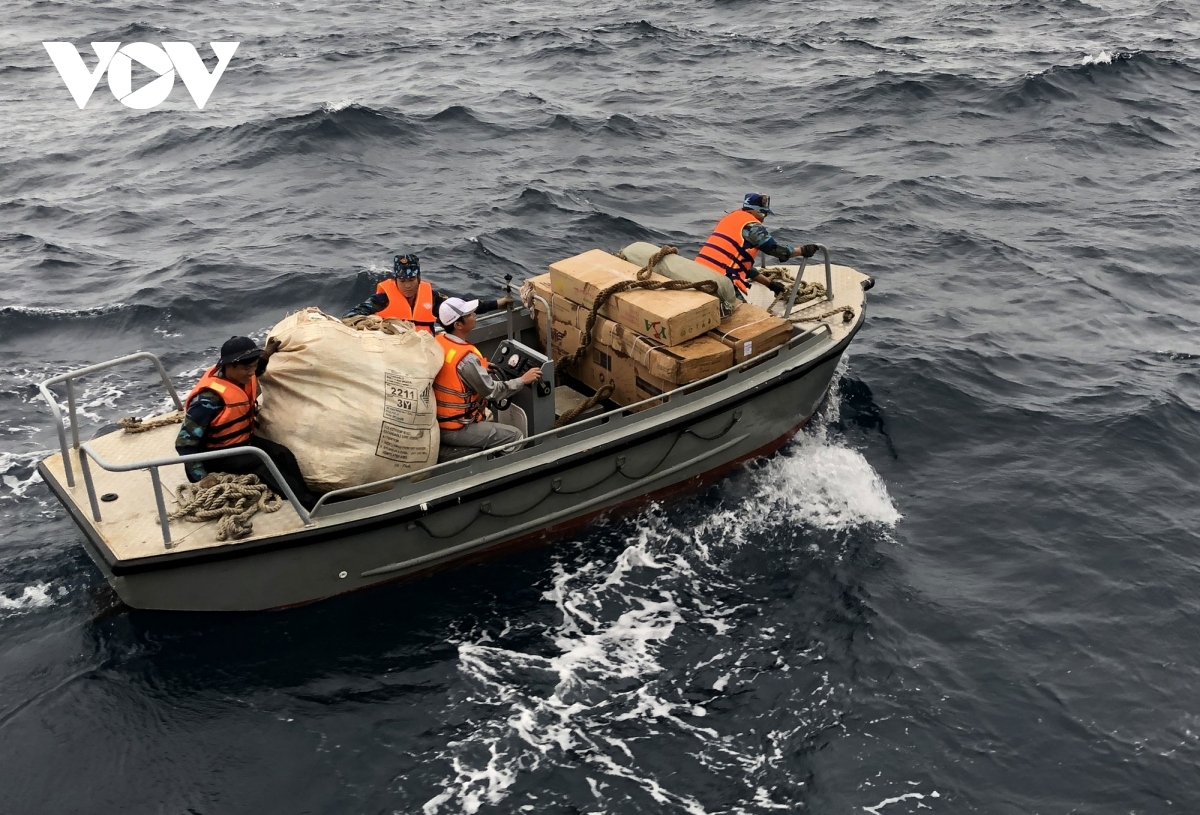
(670, 317)
(751, 331)
(675, 364)
(632, 382)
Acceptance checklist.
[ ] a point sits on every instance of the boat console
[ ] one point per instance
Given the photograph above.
(511, 359)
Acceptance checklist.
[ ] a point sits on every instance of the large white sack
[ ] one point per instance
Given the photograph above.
(354, 406)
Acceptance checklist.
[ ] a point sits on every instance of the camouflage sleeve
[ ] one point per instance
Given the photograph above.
(373, 305)
(759, 237)
(200, 413)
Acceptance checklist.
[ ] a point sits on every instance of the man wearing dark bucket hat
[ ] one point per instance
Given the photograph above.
(404, 296)
(220, 412)
(738, 238)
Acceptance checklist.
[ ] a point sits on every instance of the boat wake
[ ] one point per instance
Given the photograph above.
(654, 651)
(38, 595)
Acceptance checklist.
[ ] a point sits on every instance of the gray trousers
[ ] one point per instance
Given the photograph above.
(475, 437)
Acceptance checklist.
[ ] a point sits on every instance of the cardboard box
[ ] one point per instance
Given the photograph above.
(637, 367)
(670, 317)
(751, 331)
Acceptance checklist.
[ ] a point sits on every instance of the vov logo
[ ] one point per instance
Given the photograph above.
(172, 58)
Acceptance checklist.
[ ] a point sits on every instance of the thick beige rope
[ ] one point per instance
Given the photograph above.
(807, 291)
(232, 502)
(372, 322)
(595, 399)
(133, 424)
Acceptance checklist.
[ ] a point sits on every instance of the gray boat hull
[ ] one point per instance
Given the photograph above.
(483, 510)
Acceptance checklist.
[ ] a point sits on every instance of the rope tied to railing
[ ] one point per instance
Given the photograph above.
(133, 424)
(807, 290)
(231, 500)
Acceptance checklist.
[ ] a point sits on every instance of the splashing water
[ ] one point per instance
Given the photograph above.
(31, 597)
(620, 651)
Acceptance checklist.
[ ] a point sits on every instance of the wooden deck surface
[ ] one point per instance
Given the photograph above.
(129, 525)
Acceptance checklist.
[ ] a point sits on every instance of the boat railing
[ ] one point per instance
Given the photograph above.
(86, 452)
(574, 427)
(69, 378)
(800, 276)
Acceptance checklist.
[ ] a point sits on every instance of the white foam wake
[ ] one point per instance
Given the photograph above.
(31, 597)
(600, 694)
(11, 465)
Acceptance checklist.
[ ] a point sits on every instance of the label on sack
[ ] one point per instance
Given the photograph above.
(404, 444)
(747, 348)
(404, 402)
(404, 399)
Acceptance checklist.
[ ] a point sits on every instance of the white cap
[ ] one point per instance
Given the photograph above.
(454, 309)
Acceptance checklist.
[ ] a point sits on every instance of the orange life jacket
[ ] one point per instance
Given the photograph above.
(234, 424)
(726, 252)
(398, 308)
(457, 405)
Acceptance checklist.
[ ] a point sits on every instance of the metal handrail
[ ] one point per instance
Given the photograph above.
(800, 275)
(86, 452)
(69, 377)
(597, 419)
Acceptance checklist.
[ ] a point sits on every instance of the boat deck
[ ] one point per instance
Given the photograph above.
(847, 291)
(129, 524)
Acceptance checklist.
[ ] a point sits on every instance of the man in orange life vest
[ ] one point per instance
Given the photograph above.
(738, 238)
(404, 296)
(464, 385)
(221, 411)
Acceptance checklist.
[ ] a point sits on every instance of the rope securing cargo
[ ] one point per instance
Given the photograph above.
(643, 281)
(231, 500)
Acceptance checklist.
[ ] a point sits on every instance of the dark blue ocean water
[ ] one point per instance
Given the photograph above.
(970, 586)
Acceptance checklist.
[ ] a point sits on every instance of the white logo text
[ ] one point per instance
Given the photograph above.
(172, 58)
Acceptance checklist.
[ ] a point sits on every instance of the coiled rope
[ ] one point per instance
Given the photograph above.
(232, 501)
(807, 291)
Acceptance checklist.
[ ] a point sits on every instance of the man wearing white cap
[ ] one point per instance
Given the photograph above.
(463, 387)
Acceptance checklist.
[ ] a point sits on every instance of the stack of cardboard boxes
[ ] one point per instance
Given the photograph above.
(644, 341)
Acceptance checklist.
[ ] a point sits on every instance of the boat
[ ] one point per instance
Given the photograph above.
(116, 486)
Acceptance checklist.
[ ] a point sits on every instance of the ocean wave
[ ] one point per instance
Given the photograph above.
(1106, 73)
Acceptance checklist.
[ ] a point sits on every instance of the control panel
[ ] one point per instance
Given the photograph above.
(510, 360)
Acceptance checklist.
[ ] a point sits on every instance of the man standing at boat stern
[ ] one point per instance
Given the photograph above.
(464, 385)
(221, 412)
(404, 296)
(738, 238)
